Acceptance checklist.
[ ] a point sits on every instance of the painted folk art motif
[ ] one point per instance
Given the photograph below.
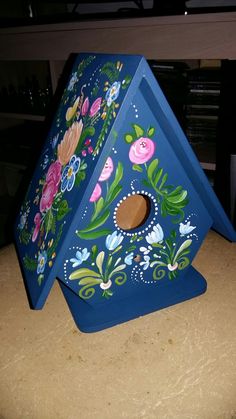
(107, 144)
(123, 256)
(64, 162)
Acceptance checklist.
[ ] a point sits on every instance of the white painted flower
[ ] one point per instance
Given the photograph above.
(185, 228)
(129, 258)
(22, 222)
(72, 81)
(113, 93)
(80, 257)
(156, 235)
(145, 250)
(113, 240)
(145, 264)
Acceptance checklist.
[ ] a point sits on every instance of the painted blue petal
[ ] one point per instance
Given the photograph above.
(64, 184)
(76, 165)
(70, 182)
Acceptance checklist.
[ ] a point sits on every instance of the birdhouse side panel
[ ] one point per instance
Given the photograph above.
(88, 108)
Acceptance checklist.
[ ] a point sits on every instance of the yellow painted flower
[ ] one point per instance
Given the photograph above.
(53, 255)
(71, 111)
(50, 263)
(50, 243)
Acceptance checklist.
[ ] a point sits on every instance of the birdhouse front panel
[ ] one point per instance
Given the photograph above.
(143, 222)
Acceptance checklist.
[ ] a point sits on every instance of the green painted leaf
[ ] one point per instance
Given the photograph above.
(99, 261)
(93, 235)
(117, 179)
(98, 222)
(129, 138)
(94, 251)
(152, 168)
(183, 246)
(29, 263)
(117, 269)
(25, 236)
(178, 198)
(146, 183)
(63, 209)
(114, 194)
(158, 176)
(80, 176)
(138, 130)
(48, 220)
(126, 82)
(40, 279)
(82, 273)
(86, 133)
(151, 131)
(164, 179)
(89, 281)
(98, 208)
(137, 168)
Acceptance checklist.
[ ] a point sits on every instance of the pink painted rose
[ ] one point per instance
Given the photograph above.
(54, 172)
(96, 193)
(107, 170)
(95, 106)
(50, 187)
(37, 221)
(141, 150)
(48, 194)
(85, 107)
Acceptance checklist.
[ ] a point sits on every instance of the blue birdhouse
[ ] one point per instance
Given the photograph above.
(118, 205)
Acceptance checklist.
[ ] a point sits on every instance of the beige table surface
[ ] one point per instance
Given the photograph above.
(176, 363)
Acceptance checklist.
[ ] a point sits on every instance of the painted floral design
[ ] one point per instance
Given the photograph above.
(186, 228)
(113, 93)
(107, 257)
(63, 166)
(112, 178)
(107, 170)
(96, 193)
(72, 81)
(163, 257)
(156, 235)
(67, 146)
(42, 260)
(163, 254)
(69, 173)
(172, 199)
(107, 270)
(50, 187)
(80, 257)
(141, 150)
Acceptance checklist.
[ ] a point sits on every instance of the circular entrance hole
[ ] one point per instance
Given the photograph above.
(133, 212)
